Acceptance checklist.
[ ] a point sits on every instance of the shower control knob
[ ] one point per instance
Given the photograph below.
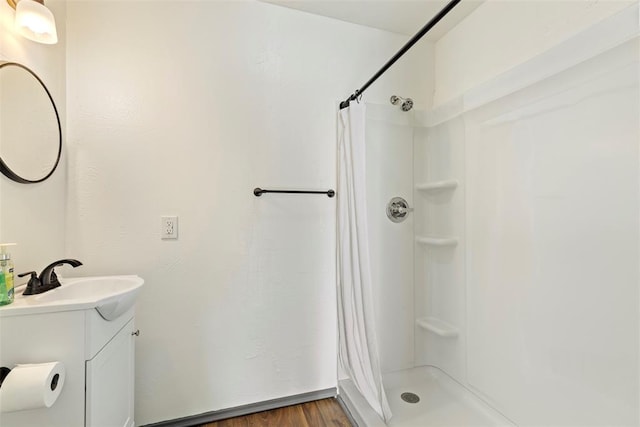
(397, 209)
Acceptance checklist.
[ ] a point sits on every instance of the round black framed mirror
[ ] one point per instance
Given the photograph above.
(30, 131)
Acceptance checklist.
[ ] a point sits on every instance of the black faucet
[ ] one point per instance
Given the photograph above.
(48, 279)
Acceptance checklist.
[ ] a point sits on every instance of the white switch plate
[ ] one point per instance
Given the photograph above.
(169, 227)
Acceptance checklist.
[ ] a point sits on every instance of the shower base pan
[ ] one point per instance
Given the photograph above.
(442, 402)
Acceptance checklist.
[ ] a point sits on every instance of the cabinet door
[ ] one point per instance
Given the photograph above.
(109, 382)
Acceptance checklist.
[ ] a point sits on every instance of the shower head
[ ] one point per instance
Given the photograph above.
(406, 105)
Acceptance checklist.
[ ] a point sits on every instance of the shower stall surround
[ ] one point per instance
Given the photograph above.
(512, 295)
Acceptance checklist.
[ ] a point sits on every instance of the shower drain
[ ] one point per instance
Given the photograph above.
(410, 397)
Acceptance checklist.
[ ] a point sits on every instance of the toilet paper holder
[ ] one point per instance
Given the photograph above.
(31, 386)
(54, 382)
(4, 371)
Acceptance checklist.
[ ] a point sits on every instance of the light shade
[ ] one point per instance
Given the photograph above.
(35, 22)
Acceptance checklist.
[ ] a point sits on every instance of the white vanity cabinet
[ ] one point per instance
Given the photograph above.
(87, 324)
(109, 382)
(99, 360)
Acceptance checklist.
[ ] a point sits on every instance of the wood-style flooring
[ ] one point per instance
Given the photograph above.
(321, 413)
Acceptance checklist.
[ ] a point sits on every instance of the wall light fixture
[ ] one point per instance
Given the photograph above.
(35, 21)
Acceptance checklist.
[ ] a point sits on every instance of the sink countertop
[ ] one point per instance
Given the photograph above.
(78, 293)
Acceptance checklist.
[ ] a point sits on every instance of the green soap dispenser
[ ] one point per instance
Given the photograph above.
(6, 275)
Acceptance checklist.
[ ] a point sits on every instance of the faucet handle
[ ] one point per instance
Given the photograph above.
(34, 283)
(32, 273)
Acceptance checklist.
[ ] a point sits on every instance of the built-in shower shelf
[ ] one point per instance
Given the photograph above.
(434, 186)
(438, 327)
(437, 241)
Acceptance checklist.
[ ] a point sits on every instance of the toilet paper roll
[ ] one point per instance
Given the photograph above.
(32, 386)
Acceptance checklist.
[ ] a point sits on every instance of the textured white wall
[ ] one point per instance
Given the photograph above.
(501, 34)
(184, 111)
(34, 215)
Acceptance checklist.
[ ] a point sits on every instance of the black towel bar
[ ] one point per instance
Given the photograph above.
(259, 192)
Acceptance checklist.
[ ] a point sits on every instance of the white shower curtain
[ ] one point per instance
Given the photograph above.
(358, 351)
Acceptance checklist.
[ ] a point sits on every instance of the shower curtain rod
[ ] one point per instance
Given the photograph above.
(424, 30)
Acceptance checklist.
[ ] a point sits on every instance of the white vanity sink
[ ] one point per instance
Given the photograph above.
(88, 324)
(111, 296)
